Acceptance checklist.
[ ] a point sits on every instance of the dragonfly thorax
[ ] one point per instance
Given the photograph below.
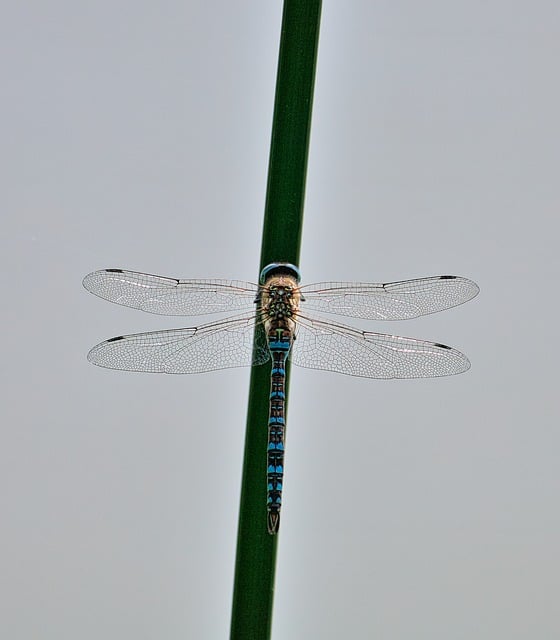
(279, 305)
(279, 300)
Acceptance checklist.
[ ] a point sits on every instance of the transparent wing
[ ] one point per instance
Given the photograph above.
(390, 301)
(219, 345)
(169, 296)
(332, 347)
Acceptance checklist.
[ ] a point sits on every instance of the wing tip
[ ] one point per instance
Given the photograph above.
(89, 281)
(475, 289)
(464, 364)
(93, 355)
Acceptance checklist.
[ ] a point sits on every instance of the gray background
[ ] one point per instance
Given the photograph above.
(136, 135)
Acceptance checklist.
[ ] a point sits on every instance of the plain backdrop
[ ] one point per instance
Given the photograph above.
(136, 135)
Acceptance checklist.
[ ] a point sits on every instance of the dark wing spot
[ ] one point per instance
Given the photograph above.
(448, 277)
(441, 346)
(115, 339)
(114, 270)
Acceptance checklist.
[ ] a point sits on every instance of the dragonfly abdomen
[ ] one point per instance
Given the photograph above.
(279, 344)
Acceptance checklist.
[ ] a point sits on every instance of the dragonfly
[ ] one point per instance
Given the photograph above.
(279, 319)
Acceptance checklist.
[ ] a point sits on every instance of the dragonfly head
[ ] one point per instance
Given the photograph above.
(280, 268)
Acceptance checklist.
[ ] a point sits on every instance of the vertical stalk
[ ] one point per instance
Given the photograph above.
(256, 548)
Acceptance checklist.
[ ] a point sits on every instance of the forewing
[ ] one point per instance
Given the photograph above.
(332, 347)
(169, 296)
(389, 301)
(219, 345)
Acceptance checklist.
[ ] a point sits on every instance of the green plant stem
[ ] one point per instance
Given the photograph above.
(256, 548)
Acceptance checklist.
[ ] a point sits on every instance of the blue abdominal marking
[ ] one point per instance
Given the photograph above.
(279, 346)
